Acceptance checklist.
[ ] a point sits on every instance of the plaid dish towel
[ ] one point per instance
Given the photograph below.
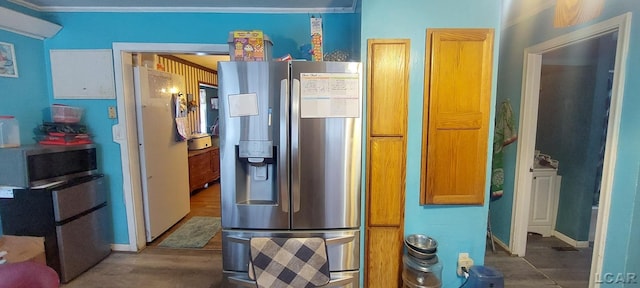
(289, 262)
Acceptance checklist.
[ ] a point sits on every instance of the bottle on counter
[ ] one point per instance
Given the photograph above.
(9, 132)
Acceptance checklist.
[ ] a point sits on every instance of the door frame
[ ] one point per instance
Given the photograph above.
(125, 132)
(528, 127)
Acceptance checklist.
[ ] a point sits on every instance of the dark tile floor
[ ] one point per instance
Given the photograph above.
(543, 266)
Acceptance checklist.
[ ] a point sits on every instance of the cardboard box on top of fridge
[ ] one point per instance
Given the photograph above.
(250, 45)
(23, 248)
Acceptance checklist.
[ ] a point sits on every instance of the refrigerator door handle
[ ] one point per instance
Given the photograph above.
(330, 241)
(240, 240)
(340, 282)
(242, 282)
(283, 165)
(339, 240)
(295, 161)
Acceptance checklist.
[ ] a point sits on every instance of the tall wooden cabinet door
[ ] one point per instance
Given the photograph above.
(384, 268)
(386, 182)
(387, 98)
(387, 88)
(458, 71)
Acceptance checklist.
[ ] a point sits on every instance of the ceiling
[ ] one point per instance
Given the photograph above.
(261, 6)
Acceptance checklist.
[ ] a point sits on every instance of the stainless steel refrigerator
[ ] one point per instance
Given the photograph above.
(291, 160)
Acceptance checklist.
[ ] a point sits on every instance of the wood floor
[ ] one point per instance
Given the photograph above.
(154, 267)
(161, 267)
(204, 202)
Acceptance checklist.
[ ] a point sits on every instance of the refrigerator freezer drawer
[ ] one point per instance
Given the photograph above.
(83, 243)
(343, 247)
(349, 279)
(73, 200)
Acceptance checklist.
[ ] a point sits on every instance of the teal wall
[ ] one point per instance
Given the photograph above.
(99, 30)
(287, 31)
(618, 250)
(633, 259)
(25, 97)
(457, 228)
(571, 119)
(564, 119)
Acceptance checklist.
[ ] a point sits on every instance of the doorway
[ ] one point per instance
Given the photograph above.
(125, 132)
(528, 130)
(209, 109)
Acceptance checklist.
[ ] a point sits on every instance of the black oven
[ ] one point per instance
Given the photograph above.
(34, 165)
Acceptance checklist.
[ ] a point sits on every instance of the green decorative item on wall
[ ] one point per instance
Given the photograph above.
(505, 134)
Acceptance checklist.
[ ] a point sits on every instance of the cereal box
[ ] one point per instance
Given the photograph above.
(248, 46)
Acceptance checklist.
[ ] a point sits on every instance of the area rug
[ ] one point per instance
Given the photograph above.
(196, 233)
(563, 248)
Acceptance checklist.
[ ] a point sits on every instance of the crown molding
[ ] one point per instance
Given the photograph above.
(194, 9)
(26, 25)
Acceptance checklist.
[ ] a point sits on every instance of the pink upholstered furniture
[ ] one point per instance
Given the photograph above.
(28, 274)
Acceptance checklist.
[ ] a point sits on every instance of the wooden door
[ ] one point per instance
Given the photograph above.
(457, 102)
(387, 98)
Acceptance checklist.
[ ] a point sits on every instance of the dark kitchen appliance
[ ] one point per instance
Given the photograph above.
(70, 214)
(33, 165)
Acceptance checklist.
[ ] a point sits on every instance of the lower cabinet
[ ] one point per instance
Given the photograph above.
(204, 167)
(545, 192)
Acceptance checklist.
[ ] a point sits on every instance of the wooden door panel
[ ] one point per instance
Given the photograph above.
(388, 92)
(456, 118)
(386, 180)
(454, 168)
(383, 270)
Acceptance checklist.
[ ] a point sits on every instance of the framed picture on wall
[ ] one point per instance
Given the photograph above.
(8, 64)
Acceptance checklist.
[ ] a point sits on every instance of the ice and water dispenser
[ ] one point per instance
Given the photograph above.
(256, 172)
(256, 150)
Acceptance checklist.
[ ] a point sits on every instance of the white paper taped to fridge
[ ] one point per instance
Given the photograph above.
(243, 104)
(325, 95)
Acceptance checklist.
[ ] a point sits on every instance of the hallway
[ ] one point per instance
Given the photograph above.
(549, 262)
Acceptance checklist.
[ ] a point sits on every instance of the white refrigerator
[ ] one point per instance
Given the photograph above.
(164, 167)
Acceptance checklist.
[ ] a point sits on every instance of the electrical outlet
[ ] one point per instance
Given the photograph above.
(112, 112)
(464, 261)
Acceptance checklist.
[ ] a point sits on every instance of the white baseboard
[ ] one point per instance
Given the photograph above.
(121, 247)
(569, 240)
(501, 244)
